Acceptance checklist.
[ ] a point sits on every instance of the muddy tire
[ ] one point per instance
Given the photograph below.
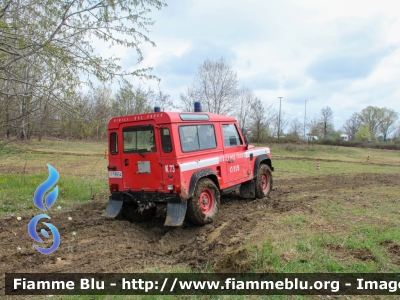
(202, 208)
(263, 181)
(130, 212)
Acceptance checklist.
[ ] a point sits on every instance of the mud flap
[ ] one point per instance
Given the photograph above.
(175, 214)
(248, 190)
(113, 208)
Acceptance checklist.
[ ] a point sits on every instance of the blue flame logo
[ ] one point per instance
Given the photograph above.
(49, 201)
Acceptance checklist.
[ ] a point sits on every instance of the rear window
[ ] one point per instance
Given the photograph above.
(166, 140)
(197, 137)
(139, 139)
(114, 143)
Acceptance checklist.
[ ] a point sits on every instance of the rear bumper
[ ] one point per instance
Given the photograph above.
(146, 197)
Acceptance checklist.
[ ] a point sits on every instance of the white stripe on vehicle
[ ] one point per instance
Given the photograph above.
(257, 152)
(201, 163)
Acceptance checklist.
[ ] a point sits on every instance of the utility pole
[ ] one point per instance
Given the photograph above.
(305, 114)
(279, 120)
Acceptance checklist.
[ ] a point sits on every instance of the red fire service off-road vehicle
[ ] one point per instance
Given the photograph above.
(184, 160)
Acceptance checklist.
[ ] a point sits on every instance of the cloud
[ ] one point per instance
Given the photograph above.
(177, 70)
(341, 54)
(293, 82)
(260, 82)
(223, 21)
(356, 49)
(345, 67)
(189, 61)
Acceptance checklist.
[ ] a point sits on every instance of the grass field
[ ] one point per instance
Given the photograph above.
(342, 218)
(81, 165)
(357, 222)
(332, 153)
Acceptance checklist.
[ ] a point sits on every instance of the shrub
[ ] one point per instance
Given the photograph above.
(360, 144)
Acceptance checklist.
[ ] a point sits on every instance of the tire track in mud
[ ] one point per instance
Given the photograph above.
(333, 182)
(116, 245)
(364, 162)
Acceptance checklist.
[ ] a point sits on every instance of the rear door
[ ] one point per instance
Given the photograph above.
(141, 157)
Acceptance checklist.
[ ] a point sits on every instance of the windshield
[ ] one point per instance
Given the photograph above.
(139, 139)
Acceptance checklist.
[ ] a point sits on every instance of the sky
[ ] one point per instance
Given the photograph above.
(343, 54)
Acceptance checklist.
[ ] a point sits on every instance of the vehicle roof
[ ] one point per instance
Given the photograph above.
(169, 117)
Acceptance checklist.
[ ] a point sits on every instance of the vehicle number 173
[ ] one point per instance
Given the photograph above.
(170, 168)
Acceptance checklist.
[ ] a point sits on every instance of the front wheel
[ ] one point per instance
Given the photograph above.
(203, 206)
(263, 181)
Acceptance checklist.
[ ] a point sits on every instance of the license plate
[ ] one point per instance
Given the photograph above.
(115, 174)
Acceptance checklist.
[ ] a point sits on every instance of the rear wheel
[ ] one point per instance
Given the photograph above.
(131, 213)
(263, 181)
(203, 206)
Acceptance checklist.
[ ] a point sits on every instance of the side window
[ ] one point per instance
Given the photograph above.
(166, 140)
(197, 137)
(207, 136)
(114, 143)
(189, 138)
(231, 135)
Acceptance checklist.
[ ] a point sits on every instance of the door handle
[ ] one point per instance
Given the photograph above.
(126, 162)
(231, 161)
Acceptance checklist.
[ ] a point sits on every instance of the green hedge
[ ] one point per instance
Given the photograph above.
(331, 142)
(359, 144)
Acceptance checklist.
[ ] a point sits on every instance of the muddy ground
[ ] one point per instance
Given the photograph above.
(116, 245)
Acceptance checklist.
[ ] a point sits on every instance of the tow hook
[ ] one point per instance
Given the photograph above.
(141, 207)
(144, 206)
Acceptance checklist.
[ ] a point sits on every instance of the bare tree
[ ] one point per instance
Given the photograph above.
(43, 117)
(314, 126)
(396, 134)
(187, 100)
(352, 125)
(279, 123)
(215, 86)
(246, 101)
(295, 128)
(259, 111)
(131, 100)
(322, 124)
(389, 118)
(327, 119)
(163, 100)
(261, 119)
(100, 111)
